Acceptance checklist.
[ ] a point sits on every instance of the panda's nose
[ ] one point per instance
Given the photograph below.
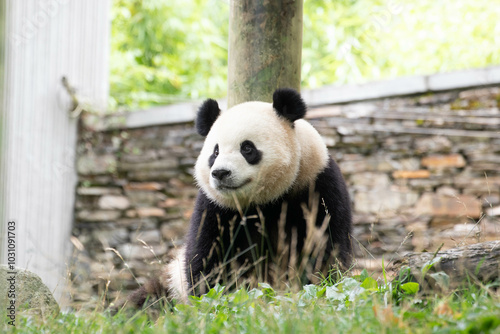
(221, 174)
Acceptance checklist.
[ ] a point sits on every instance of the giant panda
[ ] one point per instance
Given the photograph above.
(267, 187)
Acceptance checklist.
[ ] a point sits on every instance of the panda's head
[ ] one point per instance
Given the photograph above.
(251, 152)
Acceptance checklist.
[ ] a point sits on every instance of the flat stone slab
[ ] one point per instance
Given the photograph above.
(444, 161)
(440, 205)
(411, 174)
(185, 112)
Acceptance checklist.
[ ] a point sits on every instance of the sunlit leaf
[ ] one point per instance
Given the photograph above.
(410, 288)
(370, 284)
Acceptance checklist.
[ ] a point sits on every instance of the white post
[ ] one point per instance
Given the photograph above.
(45, 40)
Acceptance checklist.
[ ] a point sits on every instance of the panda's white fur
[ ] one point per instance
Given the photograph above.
(313, 154)
(293, 155)
(173, 277)
(293, 161)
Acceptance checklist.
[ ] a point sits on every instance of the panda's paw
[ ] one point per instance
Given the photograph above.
(150, 295)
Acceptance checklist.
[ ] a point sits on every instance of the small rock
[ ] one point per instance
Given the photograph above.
(447, 191)
(145, 197)
(187, 162)
(98, 191)
(477, 185)
(140, 156)
(138, 223)
(491, 199)
(439, 205)
(466, 228)
(482, 167)
(131, 213)
(493, 211)
(91, 164)
(440, 223)
(485, 158)
(364, 218)
(31, 295)
(113, 202)
(171, 203)
(150, 212)
(411, 174)
(148, 237)
(418, 226)
(478, 93)
(430, 183)
(432, 144)
(370, 180)
(383, 201)
(173, 229)
(111, 238)
(399, 143)
(330, 141)
(144, 186)
(153, 175)
(138, 252)
(411, 164)
(351, 165)
(98, 215)
(444, 161)
(357, 140)
(150, 165)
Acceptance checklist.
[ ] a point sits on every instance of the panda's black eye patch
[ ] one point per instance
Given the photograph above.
(251, 154)
(211, 159)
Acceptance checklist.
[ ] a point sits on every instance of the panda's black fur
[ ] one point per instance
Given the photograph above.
(220, 236)
(216, 226)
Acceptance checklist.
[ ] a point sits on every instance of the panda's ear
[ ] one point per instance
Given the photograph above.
(207, 114)
(288, 103)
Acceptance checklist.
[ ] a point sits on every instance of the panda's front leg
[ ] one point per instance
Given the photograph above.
(204, 245)
(334, 197)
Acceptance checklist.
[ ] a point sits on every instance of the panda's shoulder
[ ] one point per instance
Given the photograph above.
(330, 182)
(313, 154)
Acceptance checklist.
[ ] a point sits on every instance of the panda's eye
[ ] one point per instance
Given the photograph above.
(251, 154)
(211, 159)
(246, 148)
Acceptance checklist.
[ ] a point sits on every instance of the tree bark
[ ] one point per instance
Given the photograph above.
(265, 48)
(478, 262)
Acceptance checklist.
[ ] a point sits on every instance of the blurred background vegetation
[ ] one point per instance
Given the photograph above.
(170, 51)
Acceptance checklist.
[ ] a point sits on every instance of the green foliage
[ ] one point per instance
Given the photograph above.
(357, 304)
(370, 284)
(356, 40)
(410, 288)
(169, 51)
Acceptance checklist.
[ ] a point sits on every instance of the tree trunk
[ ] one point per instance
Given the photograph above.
(265, 48)
(478, 262)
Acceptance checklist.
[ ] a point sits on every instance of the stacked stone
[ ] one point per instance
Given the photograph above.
(422, 171)
(134, 198)
(415, 191)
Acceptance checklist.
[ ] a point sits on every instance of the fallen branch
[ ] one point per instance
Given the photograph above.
(479, 261)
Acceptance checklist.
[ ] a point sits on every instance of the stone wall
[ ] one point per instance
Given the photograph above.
(422, 171)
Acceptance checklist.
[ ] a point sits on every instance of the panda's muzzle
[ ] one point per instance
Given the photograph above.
(224, 182)
(221, 174)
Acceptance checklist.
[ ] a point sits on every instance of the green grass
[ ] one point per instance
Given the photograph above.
(357, 304)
